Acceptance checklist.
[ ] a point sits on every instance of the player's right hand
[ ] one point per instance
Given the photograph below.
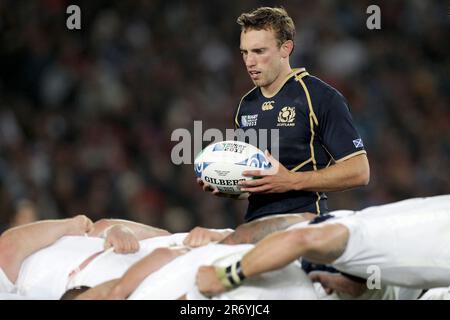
(207, 281)
(79, 225)
(122, 239)
(202, 236)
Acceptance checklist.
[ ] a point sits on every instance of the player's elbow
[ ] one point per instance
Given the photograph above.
(302, 239)
(9, 252)
(362, 172)
(363, 177)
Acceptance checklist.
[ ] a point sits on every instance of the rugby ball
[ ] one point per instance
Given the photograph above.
(221, 164)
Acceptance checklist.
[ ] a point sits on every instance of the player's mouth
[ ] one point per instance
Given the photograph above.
(254, 74)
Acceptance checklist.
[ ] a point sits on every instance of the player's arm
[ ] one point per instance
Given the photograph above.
(344, 175)
(18, 243)
(319, 244)
(253, 232)
(141, 231)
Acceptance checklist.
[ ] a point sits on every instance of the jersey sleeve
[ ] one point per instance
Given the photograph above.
(336, 129)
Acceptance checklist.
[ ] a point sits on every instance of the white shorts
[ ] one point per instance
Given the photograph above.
(6, 286)
(406, 242)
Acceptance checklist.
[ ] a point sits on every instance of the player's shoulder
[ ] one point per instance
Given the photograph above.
(320, 87)
(323, 95)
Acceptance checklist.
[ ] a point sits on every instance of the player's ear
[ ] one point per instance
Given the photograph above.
(286, 48)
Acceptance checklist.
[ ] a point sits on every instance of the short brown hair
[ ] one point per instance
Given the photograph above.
(266, 18)
(71, 294)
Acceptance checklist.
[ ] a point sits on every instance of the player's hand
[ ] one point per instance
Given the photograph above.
(202, 236)
(122, 239)
(277, 179)
(208, 188)
(207, 281)
(79, 225)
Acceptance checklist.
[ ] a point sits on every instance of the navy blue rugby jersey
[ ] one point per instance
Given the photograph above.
(315, 129)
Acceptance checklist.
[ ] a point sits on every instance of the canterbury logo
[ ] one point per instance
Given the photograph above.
(286, 116)
(268, 105)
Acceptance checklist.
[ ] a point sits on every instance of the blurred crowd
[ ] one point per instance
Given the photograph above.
(86, 115)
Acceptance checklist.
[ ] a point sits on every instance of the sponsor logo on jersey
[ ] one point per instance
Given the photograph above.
(286, 117)
(249, 120)
(268, 105)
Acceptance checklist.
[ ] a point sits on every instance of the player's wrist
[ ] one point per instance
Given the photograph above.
(296, 183)
(302, 180)
(231, 276)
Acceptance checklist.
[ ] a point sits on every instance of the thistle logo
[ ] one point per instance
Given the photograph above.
(268, 105)
(286, 117)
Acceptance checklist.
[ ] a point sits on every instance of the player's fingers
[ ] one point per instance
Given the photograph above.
(117, 246)
(137, 245)
(314, 277)
(196, 241)
(252, 173)
(187, 240)
(271, 159)
(207, 188)
(89, 226)
(107, 244)
(200, 182)
(253, 182)
(128, 247)
(258, 189)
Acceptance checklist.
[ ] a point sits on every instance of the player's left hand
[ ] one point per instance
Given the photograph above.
(207, 281)
(277, 179)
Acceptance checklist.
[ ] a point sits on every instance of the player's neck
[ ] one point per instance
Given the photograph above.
(272, 89)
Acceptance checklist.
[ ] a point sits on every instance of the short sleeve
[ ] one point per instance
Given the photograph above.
(336, 128)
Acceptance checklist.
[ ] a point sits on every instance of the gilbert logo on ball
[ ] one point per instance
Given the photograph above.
(221, 164)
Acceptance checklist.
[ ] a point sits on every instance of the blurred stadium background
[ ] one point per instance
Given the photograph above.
(86, 116)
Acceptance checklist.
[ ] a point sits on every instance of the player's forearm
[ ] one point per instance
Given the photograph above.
(274, 252)
(19, 242)
(36, 235)
(140, 230)
(341, 176)
(255, 231)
